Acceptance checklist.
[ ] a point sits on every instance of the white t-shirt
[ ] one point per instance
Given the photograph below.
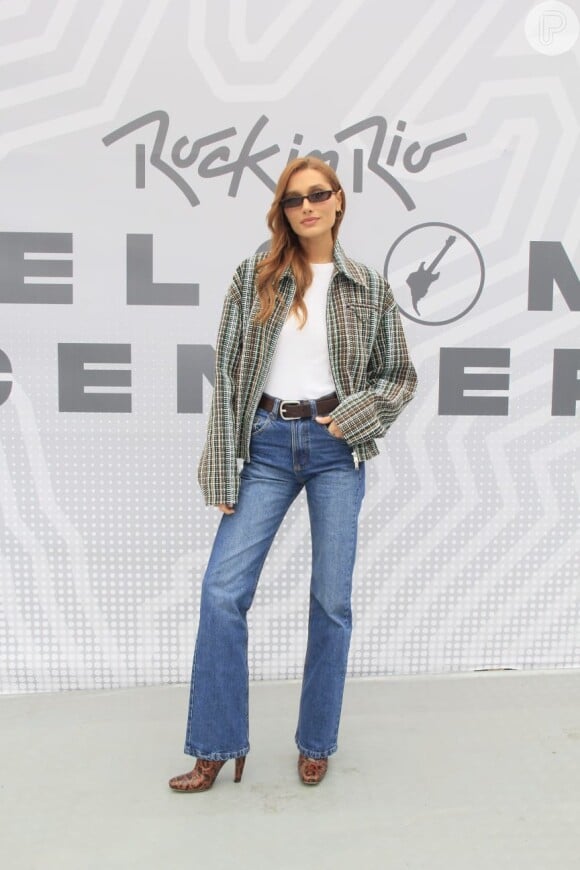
(300, 368)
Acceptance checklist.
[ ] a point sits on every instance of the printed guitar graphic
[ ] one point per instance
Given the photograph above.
(420, 280)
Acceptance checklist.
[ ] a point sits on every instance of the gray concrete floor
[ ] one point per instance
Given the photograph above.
(474, 772)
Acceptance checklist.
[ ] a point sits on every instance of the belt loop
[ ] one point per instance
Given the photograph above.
(276, 407)
(313, 408)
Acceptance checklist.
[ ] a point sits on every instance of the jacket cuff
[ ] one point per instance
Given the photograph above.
(214, 496)
(357, 419)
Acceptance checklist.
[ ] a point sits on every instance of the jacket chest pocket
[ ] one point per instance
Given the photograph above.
(361, 319)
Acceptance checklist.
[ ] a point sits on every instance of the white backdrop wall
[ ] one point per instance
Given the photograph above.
(138, 145)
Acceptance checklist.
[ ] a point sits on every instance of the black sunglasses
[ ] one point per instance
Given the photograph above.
(296, 201)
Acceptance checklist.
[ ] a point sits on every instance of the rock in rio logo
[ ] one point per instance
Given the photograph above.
(438, 273)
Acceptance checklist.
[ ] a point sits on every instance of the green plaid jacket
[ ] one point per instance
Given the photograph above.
(373, 374)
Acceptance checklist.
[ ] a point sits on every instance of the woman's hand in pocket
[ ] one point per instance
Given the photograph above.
(333, 428)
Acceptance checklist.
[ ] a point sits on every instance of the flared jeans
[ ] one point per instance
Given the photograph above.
(285, 457)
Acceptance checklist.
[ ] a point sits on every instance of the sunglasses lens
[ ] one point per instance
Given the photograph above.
(291, 202)
(320, 195)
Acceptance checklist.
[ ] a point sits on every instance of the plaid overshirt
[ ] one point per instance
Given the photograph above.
(369, 360)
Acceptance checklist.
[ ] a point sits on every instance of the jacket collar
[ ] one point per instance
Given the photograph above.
(343, 264)
(348, 267)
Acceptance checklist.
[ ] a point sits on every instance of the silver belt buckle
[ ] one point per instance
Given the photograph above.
(282, 408)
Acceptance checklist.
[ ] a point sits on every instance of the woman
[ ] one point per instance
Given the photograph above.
(311, 367)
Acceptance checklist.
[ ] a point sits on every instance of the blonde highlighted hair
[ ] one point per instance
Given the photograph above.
(285, 249)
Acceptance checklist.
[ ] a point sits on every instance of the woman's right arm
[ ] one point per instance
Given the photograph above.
(218, 471)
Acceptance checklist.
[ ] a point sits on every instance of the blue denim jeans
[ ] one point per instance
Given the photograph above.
(285, 457)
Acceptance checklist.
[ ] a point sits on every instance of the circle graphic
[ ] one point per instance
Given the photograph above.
(552, 27)
(438, 273)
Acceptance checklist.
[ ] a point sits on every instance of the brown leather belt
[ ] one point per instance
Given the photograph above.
(290, 409)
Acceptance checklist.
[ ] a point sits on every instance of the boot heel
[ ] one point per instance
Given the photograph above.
(239, 768)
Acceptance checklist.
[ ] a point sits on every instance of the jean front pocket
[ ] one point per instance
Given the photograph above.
(262, 419)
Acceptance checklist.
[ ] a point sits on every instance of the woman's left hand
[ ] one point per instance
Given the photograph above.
(334, 428)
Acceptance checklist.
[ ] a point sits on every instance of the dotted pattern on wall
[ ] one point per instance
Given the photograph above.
(105, 539)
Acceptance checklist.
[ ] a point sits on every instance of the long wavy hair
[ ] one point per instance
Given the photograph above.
(285, 249)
